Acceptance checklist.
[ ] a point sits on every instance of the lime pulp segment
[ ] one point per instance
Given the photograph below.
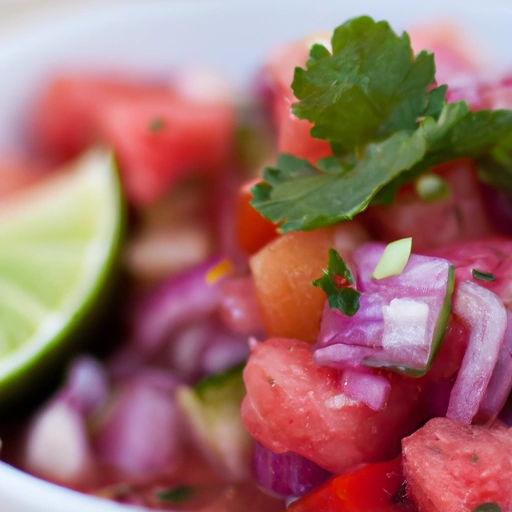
(57, 246)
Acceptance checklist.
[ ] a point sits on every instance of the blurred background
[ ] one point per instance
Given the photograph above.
(14, 13)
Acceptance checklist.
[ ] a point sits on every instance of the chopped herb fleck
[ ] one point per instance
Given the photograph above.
(488, 507)
(473, 458)
(176, 494)
(156, 125)
(483, 276)
(337, 283)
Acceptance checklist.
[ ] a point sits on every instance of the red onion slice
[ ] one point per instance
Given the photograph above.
(500, 384)
(401, 319)
(86, 385)
(486, 317)
(286, 474)
(57, 446)
(366, 387)
(183, 298)
(139, 434)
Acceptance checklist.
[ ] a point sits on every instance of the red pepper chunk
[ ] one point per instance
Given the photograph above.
(369, 489)
(252, 229)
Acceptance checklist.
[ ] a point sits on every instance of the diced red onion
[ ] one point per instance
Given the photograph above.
(397, 319)
(239, 308)
(57, 446)
(366, 387)
(184, 298)
(204, 349)
(86, 386)
(185, 351)
(485, 314)
(224, 353)
(139, 434)
(286, 474)
(500, 384)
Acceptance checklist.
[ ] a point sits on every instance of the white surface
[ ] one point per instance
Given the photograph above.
(155, 37)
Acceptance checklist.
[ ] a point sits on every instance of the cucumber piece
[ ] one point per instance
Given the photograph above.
(393, 259)
(212, 409)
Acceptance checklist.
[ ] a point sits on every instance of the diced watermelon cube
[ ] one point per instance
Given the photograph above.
(293, 405)
(450, 467)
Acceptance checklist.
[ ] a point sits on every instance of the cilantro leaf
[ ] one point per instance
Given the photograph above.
(369, 98)
(370, 86)
(307, 199)
(336, 283)
(320, 199)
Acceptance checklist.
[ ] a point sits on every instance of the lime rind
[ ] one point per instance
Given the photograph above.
(84, 205)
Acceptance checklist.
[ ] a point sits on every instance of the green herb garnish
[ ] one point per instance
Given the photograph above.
(176, 494)
(488, 507)
(337, 283)
(369, 100)
(483, 276)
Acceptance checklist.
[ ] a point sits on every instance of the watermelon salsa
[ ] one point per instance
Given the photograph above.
(331, 334)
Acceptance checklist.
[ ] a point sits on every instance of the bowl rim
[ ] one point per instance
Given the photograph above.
(76, 18)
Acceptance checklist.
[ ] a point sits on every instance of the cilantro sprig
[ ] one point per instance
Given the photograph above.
(337, 283)
(369, 98)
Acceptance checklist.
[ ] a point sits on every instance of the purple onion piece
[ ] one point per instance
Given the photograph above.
(400, 321)
(139, 433)
(225, 351)
(366, 387)
(205, 348)
(486, 317)
(57, 447)
(500, 384)
(286, 474)
(183, 298)
(86, 386)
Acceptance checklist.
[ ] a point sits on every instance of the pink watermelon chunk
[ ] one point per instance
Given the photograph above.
(293, 405)
(491, 254)
(450, 467)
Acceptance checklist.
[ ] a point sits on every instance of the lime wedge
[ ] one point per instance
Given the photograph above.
(58, 245)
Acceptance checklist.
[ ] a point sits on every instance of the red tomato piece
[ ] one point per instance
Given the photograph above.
(372, 488)
(159, 140)
(252, 229)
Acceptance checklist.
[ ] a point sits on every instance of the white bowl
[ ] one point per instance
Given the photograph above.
(154, 37)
